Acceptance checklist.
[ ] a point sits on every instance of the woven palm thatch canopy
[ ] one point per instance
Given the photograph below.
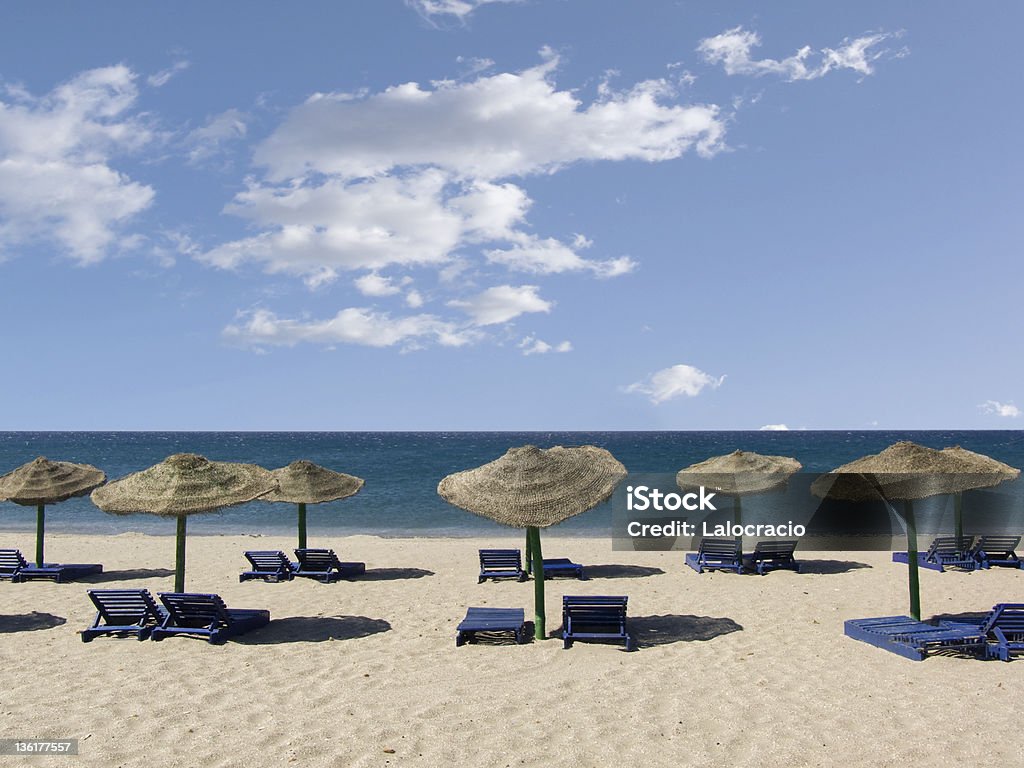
(535, 487)
(42, 481)
(908, 471)
(303, 482)
(184, 484)
(739, 473)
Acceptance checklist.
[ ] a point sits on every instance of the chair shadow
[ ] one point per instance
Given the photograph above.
(126, 575)
(676, 628)
(829, 567)
(30, 622)
(393, 574)
(315, 629)
(617, 571)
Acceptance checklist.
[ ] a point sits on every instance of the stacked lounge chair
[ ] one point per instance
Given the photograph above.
(595, 618)
(323, 565)
(944, 552)
(997, 550)
(15, 567)
(492, 624)
(717, 554)
(123, 612)
(772, 556)
(268, 565)
(205, 616)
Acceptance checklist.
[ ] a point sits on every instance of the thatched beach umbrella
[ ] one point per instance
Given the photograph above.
(986, 465)
(535, 488)
(42, 482)
(181, 485)
(906, 472)
(303, 482)
(738, 474)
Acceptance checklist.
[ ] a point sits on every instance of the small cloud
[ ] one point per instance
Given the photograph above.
(376, 285)
(677, 381)
(774, 428)
(531, 345)
(502, 303)
(204, 142)
(414, 299)
(164, 76)
(1005, 410)
(458, 9)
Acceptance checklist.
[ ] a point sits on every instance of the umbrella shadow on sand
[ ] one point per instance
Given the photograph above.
(315, 629)
(29, 622)
(618, 571)
(829, 567)
(394, 574)
(670, 628)
(126, 575)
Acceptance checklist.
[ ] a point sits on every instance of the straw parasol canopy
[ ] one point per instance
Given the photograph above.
(181, 485)
(534, 488)
(303, 482)
(906, 471)
(42, 482)
(739, 473)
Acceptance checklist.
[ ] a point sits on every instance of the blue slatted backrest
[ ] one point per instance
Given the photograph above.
(595, 609)
(270, 560)
(997, 544)
(196, 610)
(125, 606)
(11, 560)
(949, 545)
(317, 559)
(775, 548)
(1009, 617)
(501, 559)
(720, 548)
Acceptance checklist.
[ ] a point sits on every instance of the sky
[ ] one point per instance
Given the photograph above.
(490, 214)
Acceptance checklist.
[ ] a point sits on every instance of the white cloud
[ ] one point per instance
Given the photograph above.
(502, 303)
(458, 9)
(354, 325)
(531, 345)
(733, 50)
(550, 256)
(677, 381)
(56, 177)
(414, 299)
(164, 76)
(488, 128)
(1006, 410)
(376, 285)
(208, 140)
(774, 428)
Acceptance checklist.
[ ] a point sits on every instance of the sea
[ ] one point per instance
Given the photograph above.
(402, 470)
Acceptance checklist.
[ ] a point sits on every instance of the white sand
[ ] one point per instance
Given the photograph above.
(349, 670)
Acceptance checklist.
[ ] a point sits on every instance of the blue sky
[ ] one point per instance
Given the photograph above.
(510, 215)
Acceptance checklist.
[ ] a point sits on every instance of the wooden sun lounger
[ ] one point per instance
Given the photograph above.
(493, 624)
(15, 567)
(323, 565)
(268, 565)
(772, 556)
(501, 564)
(595, 618)
(716, 554)
(944, 552)
(997, 550)
(123, 612)
(205, 616)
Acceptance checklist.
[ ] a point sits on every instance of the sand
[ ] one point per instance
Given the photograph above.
(738, 670)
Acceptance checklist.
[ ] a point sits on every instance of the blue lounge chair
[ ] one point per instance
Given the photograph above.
(716, 554)
(562, 566)
(501, 564)
(15, 567)
(205, 616)
(944, 552)
(323, 565)
(269, 565)
(123, 612)
(1004, 631)
(772, 556)
(913, 639)
(594, 618)
(492, 623)
(997, 550)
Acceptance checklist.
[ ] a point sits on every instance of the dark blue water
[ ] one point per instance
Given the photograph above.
(402, 470)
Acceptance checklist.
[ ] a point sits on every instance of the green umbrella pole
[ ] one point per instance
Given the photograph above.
(302, 525)
(539, 629)
(529, 549)
(179, 557)
(958, 514)
(40, 533)
(737, 508)
(915, 584)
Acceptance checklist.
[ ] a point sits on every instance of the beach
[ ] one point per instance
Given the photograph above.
(365, 672)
